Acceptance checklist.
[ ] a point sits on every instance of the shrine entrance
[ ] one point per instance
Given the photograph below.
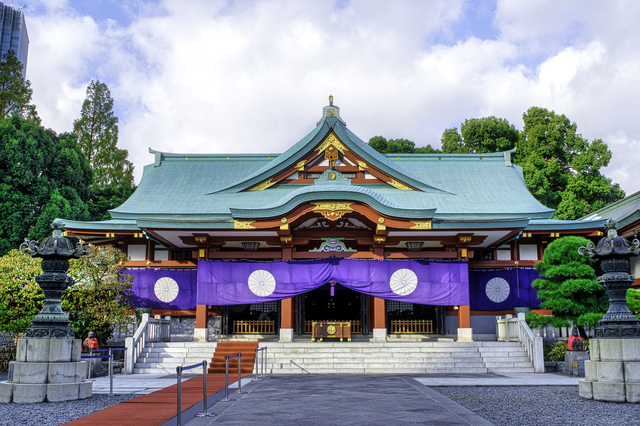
(414, 318)
(332, 302)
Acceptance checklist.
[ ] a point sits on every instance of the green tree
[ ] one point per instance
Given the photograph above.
(561, 168)
(97, 133)
(452, 142)
(479, 136)
(398, 146)
(570, 287)
(98, 301)
(21, 299)
(42, 175)
(15, 91)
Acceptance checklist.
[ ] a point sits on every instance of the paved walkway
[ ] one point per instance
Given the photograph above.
(306, 399)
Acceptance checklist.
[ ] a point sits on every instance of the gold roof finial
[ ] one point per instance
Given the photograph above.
(331, 100)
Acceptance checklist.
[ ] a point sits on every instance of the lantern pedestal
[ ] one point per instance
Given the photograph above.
(613, 373)
(46, 370)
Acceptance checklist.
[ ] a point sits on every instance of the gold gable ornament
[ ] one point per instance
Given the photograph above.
(333, 210)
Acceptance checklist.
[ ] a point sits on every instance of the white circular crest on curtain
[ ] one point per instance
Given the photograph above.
(403, 282)
(497, 289)
(166, 289)
(261, 283)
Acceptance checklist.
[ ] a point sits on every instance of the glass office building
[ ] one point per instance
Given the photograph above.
(13, 34)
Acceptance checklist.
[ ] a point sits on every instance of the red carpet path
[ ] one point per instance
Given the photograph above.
(157, 407)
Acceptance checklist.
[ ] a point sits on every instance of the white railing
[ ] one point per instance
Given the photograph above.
(150, 330)
(510, 329)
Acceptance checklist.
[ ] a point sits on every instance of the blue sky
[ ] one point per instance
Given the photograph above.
(253, 75)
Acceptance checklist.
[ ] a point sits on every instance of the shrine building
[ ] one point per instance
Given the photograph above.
(332, 230)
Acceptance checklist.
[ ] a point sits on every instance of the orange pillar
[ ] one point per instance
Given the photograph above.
(464, 316)
(201, 332)
(286, 320)
(285, 313)
(379, 320)
(465, 332)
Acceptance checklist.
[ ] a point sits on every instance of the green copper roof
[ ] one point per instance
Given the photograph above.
(625, 211)
(213, 187)
(207, 191)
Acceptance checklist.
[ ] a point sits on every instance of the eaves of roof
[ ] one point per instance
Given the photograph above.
(564, 225)
(106, 225)
(331, 192)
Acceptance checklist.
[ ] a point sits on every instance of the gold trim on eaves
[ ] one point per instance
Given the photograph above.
(332, 205)
(399, 185)
(264, 185)
(243, 224)
(421, 224)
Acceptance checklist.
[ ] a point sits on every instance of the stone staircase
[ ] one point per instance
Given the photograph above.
(396, 357)
(412, 357)
(164, 357)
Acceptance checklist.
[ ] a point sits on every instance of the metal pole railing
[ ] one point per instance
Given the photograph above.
(260, 363)
(179, 404)
(204, 393)
(226, 377)
(239, 374)
(179, 371)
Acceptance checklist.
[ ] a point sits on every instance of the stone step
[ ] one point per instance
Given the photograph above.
(510, 370)
(182, 345)
(296, 370)
(506, 364)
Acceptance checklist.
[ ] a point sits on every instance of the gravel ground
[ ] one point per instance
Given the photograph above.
(540, 405)
(55, 413)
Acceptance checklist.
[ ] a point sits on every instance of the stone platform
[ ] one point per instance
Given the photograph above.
(46, 370)
(613, 373)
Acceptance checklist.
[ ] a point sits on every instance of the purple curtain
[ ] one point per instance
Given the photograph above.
(498, 289)
(164, 288)
(428, 283)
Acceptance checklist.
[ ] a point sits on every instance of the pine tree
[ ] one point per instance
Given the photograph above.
(15, 91)
(97, 133)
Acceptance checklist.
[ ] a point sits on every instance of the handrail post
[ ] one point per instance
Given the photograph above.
(226, 381)
(255, 364)
(179, 372)
(239, 374)
(264, 361)
(110, 372)
(204, 392)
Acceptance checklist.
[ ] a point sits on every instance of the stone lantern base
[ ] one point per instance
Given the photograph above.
(613, 373)
(47, 370)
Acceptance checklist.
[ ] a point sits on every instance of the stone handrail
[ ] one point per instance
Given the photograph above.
(150, 330)
(511, 329)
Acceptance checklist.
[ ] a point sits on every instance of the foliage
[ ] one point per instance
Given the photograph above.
(102, 200)
(570, 288)
(479, 136)
(99, 299)
(556, 351)
(561, 168)
(15, 91)
(21, 299)
(97, 133)
(633, 301)
(42, 176)
(398, 146)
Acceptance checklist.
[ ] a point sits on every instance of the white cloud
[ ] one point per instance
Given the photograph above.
(252, 76)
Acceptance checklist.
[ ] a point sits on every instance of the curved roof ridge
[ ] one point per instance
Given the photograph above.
(383, 158)
(280, 159)
(336, 192)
